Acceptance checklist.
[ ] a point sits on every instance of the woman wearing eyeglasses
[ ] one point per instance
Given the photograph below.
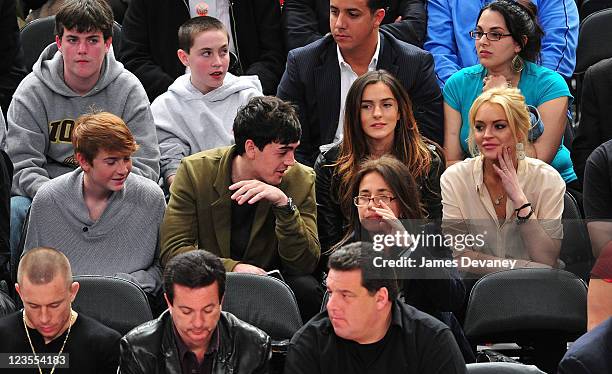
(515, 202)
(384, 192)
(378, 120)
(508, 40)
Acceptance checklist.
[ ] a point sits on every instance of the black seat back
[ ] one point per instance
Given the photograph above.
(539, 309)
(264, 302)
(117, 303)
(38, 34)
(576, 246)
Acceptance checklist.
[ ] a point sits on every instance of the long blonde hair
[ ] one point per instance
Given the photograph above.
(513, 103)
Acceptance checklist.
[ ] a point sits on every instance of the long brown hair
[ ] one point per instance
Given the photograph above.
(408, 145)
(401, 182)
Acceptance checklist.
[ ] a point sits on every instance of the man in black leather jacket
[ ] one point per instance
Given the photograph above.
(194, 335)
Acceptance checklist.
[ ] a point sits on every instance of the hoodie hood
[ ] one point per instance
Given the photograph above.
(231, 84)
(49, 68)
(189, 121)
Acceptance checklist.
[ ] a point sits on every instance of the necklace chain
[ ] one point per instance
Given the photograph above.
(499, 199)
(63, 344)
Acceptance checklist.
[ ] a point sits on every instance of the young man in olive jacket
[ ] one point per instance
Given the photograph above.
(251, 203)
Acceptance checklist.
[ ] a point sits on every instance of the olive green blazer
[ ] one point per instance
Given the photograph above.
(199, 216)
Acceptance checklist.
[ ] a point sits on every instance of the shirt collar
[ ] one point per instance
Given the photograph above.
(478, 171)
(396, 314)
(373, 62)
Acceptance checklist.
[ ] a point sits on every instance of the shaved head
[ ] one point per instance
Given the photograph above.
(41, 265)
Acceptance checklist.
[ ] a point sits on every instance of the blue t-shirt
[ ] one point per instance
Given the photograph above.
(538, 84)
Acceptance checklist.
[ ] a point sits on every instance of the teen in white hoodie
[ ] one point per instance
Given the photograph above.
(197, 112)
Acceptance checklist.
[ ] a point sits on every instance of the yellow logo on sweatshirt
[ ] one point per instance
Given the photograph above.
(61, 131)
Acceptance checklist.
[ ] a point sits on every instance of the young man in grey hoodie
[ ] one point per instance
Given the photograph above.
(74, 75)
(197, 112)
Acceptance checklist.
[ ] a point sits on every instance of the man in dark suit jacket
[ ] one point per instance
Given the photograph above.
(313, 78)
(595, 108)
(305, 21)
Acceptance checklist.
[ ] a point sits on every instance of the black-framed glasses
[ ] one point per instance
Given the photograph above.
(365, 200)
(491, 35)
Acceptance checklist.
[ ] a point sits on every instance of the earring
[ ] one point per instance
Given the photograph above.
(520, 151)
(517, 64)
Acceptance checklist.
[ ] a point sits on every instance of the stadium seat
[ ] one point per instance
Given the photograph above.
(576, 246)
(117, 303)
(38, 34)
(266, 303)
(538, 309)
(589, 7)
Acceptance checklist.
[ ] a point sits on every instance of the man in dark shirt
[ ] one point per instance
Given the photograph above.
(250, 204)
(365, 329)
(598, 197)
(194, 336)
(48, 327)
(595, 106)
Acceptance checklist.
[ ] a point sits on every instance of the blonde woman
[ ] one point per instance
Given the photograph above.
(514, 202)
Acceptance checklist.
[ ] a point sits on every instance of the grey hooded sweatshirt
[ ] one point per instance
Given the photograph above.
(189, 121)
(44, 109)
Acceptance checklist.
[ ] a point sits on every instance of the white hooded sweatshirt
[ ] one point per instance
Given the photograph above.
(188, 121)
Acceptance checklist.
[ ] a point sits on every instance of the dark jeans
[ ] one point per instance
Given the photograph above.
(308, 292)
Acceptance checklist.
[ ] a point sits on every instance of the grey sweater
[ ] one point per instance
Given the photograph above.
(123, 241)
(44, 109)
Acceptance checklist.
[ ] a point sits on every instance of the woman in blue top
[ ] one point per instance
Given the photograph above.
(508, 41)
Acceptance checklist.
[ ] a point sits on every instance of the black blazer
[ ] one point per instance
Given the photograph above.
(595, 107)
(305, 21)
(312, 82)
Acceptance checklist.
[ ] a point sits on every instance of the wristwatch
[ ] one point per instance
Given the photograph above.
(289, 208)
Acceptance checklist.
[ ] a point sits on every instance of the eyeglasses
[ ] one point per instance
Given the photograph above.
(491, 35)
(361, 201)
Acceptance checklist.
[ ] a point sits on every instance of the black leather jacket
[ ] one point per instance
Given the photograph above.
(150, 348)
(331, 222)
